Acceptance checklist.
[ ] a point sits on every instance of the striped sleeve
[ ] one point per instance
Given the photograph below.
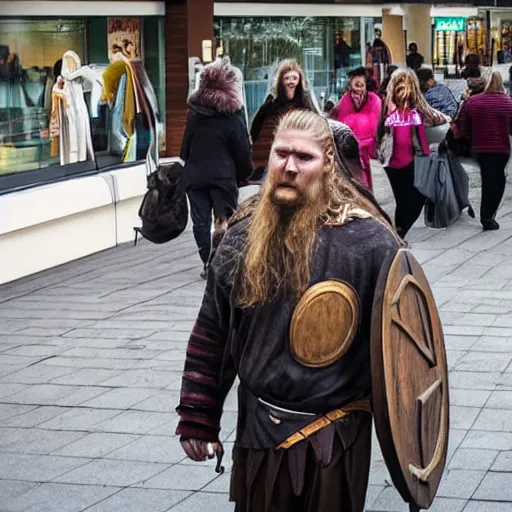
(209, 370)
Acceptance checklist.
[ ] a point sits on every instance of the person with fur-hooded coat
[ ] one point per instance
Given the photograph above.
(216, 152)
(289, 92)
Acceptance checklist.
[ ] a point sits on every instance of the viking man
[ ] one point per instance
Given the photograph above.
(287, 309)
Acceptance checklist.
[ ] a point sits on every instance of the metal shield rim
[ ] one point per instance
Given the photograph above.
(379, 396)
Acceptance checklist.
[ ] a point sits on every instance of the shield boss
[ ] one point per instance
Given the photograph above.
(324, 323)
(409, 380)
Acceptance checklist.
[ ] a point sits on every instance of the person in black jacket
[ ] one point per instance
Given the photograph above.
(216, 152)
(414, 60)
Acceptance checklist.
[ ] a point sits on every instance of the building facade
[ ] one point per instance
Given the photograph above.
(72, 155)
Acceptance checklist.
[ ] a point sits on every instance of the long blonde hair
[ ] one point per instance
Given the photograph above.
(404, 91)
(269, 265)
(495, 83)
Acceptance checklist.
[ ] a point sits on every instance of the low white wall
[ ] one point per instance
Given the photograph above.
(52, 224)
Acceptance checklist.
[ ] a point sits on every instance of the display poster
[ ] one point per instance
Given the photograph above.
(124, 36)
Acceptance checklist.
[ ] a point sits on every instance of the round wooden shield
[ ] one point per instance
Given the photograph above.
(409, 380)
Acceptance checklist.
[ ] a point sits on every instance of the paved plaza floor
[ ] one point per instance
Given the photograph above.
(90, 362)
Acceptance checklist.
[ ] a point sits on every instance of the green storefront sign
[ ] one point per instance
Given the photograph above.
(450, 24)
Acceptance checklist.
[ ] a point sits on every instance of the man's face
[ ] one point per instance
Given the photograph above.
(358, 84)
(290, 81)
(296, 169)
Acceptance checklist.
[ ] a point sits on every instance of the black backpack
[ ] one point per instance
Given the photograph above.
(164, 209)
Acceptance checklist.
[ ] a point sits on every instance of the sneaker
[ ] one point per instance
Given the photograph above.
(490, 225)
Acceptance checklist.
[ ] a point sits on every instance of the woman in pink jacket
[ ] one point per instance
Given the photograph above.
(360, 110)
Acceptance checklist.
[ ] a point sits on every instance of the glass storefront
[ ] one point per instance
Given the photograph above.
(326, 48)
(71, 92)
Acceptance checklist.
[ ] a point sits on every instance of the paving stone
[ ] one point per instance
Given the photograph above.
(388, 501)
(8, 388)
(163, 401)
(96, 445)
(372, 494)
(135, 422)
(498, 331)
(34, 417)
(495, 486)
(202, 501)
(474, 380)
(34, 350)
(454, 441)
(84, 362)
(80, 418)
(141, 378)
(128, 334)
(41, 394)
(448, 505)
(86, 377)
(163, 449)
(500, 400)
(499, 420)
(137, 500)
(11, 489)
(119, 473)
(463, 330)
(483, 362)
(459, 483)
(463, 417)
(81, 395)
(465, 458)
(34, 441)
(61, 497)
(488, 506)
(11, 410)
(503, 462)
(493, 344)
(120, 398)
(182, 478)
(38, 374)
(36, 468)
(453, 342)
(488, 440)
(469, 398)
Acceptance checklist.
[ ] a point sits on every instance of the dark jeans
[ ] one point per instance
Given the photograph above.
(409, 202)
(202, 202)
(492, 170)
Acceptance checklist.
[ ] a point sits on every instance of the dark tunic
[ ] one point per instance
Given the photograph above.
(254, 344)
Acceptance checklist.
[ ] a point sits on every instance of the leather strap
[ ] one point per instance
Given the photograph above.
(324, 420)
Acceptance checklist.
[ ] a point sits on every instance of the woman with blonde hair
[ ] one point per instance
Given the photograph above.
(485, 119)
(289, 92)
(401, 136)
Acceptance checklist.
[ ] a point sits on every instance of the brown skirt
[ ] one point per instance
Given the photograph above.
(327, 472)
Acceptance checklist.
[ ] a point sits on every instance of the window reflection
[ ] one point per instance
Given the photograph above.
(56, 109)
(326, 48)
(29, 51)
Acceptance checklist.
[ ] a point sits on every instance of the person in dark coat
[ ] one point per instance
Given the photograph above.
(289, 92)
(216, 152)
(414, 60)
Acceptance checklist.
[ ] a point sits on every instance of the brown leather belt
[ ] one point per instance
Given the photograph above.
(324, 420)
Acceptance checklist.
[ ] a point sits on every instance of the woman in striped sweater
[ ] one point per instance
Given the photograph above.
(486, 119)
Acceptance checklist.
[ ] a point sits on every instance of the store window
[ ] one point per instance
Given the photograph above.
(75, 95)
(326, 48)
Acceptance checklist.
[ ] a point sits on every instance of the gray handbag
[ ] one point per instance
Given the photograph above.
(384, 149)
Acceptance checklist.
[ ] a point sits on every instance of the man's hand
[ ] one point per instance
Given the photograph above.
(199, 450)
